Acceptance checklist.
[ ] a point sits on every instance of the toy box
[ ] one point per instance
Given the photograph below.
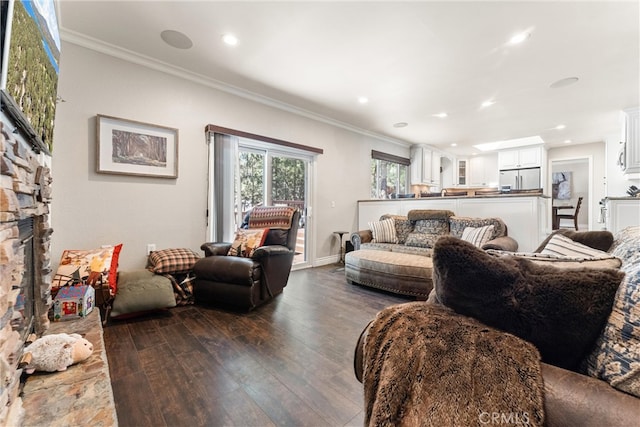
(73, 302)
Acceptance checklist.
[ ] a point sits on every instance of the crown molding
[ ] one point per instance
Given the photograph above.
(100, 46)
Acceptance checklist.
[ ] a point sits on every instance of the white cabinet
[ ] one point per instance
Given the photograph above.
(528, 157)
(425, 166)
(630, 161)
(621, 212)
(462, 172)
(483, 171)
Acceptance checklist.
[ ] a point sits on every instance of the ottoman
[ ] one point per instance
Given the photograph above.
(396, 272)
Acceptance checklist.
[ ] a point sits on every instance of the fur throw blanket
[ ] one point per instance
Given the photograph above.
(425, 365)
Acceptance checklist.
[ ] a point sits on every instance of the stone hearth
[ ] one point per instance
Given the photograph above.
(82, 394)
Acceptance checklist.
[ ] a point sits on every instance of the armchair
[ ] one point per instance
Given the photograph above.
(245, 283)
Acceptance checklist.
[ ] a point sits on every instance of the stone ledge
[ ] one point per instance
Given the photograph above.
(81, 395)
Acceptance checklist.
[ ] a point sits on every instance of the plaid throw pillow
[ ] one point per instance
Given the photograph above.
(172, 261)
(478, 236)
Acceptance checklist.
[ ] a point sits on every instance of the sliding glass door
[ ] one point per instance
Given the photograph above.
(273, 178)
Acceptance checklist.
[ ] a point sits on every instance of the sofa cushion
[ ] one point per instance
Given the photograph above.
(601, 240)
(403, 226)
(459, 223)
(426, 232)
(383, 231)
(563, 246)
(616, 356)
(477, 236)
(561, 261)
(559, 311)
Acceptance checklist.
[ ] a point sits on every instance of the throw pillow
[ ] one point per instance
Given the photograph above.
(601, 240)
(564, 246)
(559, 311)
(616, 355)
(478, 236)
(141, 291)
(94, 267)
(383, 231)
(172, 261)
(247, 241)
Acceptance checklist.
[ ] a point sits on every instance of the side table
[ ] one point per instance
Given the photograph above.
(340, 234)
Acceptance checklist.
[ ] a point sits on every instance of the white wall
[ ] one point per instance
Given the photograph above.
(91, 209)
(596, 152)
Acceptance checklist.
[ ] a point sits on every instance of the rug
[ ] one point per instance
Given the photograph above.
(425, 365)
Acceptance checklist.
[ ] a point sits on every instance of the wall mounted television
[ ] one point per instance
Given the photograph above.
(30, 43)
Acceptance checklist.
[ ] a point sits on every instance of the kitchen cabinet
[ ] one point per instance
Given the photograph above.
(461, 172)
(527, 157)
(630, 154)
(621, 212)
(425, 166)
(483, 171)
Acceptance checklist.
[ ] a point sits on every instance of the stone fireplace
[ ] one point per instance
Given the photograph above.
(25, 267)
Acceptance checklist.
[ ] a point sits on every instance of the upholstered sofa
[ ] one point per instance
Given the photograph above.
(394, 253)
(603, 388)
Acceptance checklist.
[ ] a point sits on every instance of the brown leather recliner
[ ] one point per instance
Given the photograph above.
(245, 283)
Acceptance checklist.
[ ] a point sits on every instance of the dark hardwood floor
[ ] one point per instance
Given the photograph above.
(289, 362)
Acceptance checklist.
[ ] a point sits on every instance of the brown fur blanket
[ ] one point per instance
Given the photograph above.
(425, 365)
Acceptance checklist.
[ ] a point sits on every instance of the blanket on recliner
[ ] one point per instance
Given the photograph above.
(425, 365)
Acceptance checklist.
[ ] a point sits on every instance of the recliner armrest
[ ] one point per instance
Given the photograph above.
(503, 243)
(359, 237)
(272, 250)
(215, 248)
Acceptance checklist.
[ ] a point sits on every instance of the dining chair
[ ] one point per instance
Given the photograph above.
(573, 216)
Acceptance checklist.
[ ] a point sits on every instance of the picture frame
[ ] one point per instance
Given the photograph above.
(128, 147)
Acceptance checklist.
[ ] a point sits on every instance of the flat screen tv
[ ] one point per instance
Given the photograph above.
(30, 43)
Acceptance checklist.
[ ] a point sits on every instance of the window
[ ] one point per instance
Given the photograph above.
(389, 175)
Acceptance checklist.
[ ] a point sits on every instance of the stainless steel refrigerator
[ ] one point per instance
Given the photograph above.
(520, 179)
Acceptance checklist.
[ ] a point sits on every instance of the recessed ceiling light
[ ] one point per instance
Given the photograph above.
(400, 125)
(440, 115)
(454, 144)
(520, 37)
(567, 141)
(487, 103)
(176, 39)
(564, 82)
(230, 39)
(560, 127)
(363, 99)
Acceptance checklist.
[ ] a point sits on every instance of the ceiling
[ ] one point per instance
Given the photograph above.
(410, 59)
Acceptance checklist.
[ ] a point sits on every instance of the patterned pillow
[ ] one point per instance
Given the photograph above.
(172, 261)
(478, 236)
(616, 356)
(384, 231)
(422, 240)
(403, 226)
(94, 267)
(247, 241)
(564, 246)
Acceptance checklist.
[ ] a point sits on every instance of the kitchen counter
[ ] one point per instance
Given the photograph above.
(478, 196)
(527, 215)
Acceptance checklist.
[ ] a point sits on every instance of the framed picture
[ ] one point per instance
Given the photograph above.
(127, 147)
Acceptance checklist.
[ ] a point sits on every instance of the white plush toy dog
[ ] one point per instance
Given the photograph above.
(58, 351)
